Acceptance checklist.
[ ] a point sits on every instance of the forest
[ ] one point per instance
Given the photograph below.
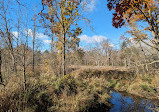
(64, 74)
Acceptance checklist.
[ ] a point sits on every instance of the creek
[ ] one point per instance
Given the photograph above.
(130, 103)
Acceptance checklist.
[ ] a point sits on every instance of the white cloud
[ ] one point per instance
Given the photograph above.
(93, 39)
(15, 33)
(30, 32)
(47, 41)
(41, 35)
(38, 35)
(90, 5)
(111, 45)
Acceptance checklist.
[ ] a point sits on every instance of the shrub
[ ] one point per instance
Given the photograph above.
(38, 98)
(67, 83)
(147, 88)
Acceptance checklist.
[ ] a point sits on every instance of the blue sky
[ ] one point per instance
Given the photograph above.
(99, 16)
(101, 20)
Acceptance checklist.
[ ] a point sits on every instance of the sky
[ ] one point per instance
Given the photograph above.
(100, 27)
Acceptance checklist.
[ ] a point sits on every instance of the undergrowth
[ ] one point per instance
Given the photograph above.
(49, 94)
(89, 91)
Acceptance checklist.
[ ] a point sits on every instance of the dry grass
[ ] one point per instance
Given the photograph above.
(85, 90)
(121, 79)
(49, 93)
(74, 69)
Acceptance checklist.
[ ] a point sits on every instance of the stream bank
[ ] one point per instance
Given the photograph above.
(122, 79)
(86, 90)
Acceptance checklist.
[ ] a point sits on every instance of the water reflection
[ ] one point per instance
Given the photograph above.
(128, 104)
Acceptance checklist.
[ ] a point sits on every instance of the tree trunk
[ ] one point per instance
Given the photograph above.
(24, 69)
(52, 42)
(10, 45)
(13, 61)
(33, 47)
(125, 62)
(15, 65)
(64, 56)
(1, 79)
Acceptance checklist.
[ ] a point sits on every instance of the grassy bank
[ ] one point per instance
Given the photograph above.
(124, 80)
(48, 93)
(85, 90)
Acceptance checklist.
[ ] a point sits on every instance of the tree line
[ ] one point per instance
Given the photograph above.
(60, 19)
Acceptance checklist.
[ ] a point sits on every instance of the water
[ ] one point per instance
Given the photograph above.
(123, 103)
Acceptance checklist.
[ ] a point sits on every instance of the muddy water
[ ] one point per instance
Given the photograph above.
(123, 103)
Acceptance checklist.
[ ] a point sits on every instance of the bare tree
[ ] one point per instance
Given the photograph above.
(0, 67)
(107, 48)
(6, 33)
(34, 34)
